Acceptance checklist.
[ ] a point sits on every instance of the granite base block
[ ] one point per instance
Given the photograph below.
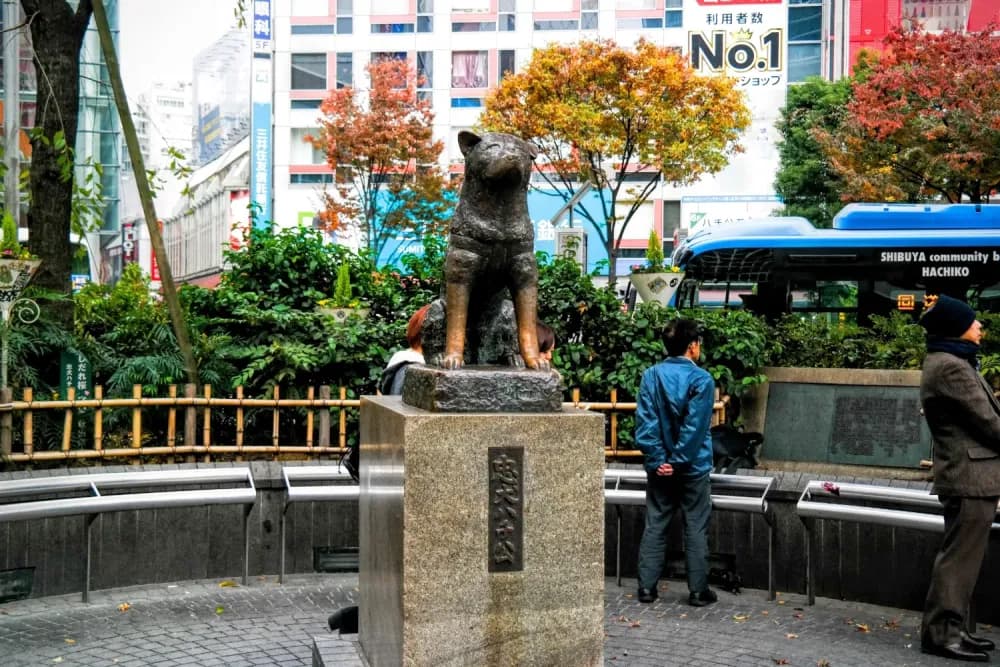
(337, 651)
(427, 595)
(482, 389)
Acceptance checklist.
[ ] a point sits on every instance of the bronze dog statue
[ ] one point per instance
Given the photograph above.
(491, 246)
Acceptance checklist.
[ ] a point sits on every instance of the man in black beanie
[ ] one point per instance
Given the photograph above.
(964, 420)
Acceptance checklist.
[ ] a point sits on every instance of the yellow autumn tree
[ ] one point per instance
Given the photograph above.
(598, 112)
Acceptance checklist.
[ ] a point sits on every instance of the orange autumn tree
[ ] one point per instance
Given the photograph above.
(380, 146)
(925, 122)
(598, 112)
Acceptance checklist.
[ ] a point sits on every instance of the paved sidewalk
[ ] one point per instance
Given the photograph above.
(203, 623)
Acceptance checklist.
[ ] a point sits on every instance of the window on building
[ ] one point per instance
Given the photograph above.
(474, 26)
(635, 5)
(306, 104)
(506, 64)
(557, 25)
(425, 75)
(308, 71)
(381, 28)
(310, 179)
(674, 15)
(506, 16)
(588, 20)
(638, 23)
(302, 151)
(805, 30)
(345, 70)
(316, 29)
(425, 16)
(378, 56)
(469, 69)
(345, 17)
(462, 102)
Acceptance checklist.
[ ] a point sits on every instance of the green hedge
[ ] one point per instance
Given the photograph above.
(260, 329)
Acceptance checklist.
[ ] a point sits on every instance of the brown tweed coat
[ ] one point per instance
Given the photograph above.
(964, 419)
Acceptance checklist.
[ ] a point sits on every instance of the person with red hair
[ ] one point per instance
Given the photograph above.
(391, 381)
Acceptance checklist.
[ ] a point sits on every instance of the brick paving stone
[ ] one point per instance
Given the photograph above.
(264, 623)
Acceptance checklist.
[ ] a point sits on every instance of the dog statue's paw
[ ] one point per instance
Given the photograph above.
(451, 362)
(537, 364)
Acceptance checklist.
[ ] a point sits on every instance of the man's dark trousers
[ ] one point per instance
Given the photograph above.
(967, 524)
(664, 496)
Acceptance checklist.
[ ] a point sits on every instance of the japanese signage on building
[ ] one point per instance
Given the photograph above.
(261, 139)
(130, 243)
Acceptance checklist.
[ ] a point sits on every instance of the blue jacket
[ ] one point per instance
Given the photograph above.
(673, 417)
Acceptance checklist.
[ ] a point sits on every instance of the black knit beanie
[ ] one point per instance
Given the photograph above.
(948, 318)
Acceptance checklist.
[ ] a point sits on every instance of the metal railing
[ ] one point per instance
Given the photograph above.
(186, 425)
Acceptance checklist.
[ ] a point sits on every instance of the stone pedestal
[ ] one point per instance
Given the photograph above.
(435, 587)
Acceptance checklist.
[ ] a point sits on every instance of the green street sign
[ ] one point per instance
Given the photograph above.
(75, 371)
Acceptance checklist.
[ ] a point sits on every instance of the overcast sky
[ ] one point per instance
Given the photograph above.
(158, 40)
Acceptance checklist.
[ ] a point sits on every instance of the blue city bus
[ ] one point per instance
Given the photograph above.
(877, 258)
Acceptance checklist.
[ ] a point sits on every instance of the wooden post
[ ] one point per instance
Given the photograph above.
(310, 393)
(239, 424)
(324, 418)
(614, 423)
(206, 427)
(275, 420)
(29, 434)
(68, 423)
(136, 419)
(99, 419)
(190, 420)
(342, 440)
(172, 421)
(6, 422)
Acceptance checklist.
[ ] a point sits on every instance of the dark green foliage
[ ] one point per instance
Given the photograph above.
(805, 181)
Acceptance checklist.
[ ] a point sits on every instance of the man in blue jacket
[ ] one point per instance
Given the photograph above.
(673, 422)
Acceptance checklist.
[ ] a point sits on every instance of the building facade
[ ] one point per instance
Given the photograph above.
(464, 47)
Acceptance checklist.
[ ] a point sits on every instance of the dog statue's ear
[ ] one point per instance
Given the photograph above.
(467, 140)
(532, 150)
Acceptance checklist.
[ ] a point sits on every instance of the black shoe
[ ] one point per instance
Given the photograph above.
(647, 594)
(956, 651)
(977, 643)
(706, 597)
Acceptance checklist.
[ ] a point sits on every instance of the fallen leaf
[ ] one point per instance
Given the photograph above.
(623, 619)
(822, 663)
(781, 661)
(124, 606)
(781, 602)
(862, 627)
(69, 641)
(629, 596)
(634, 624)
(58, 659)
(739, 618)
(684, 615)
(796, 615)
(892, 624)
(219, 610)
(830, 487)
(791, 635)
(764, 613)
(227, 584)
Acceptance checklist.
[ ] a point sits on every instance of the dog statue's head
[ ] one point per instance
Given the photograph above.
(498, 158)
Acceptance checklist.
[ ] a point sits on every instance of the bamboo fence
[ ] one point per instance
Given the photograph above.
(325, 425)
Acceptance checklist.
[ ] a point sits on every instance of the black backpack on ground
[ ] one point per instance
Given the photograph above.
(733, 449)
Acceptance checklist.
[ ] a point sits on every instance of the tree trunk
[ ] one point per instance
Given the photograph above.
(56, 34)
